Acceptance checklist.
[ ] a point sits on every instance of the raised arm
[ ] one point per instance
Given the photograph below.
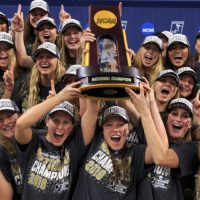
(155, 113)
(131, 110)
(17, 25)
(6, 190)
(157, 148)
(9, 82)
(89, 120)
(23, 132)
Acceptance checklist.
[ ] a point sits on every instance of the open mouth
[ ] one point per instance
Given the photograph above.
(178, 58)
(165, 91)
(8, 128)
(177, 126)
(115, 138)
(4, 58)
(47, 37)
(58, 135)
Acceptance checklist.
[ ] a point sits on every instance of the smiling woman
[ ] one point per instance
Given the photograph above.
(7, 57)
(149, 58)
(36, 87)
(10, 172)
(51, 162)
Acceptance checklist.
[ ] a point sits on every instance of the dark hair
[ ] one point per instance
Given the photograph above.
(169, 65)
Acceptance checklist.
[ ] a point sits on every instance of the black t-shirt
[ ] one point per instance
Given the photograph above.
(21, 92)
(97, 179)
(50, 172)
(11, 171)
(163, 183)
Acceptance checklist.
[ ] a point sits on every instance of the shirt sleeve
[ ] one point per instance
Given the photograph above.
(188, 157)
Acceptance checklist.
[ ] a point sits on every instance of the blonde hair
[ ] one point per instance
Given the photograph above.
(34, 89)
(8, 144)
(158, 66)
(122, 169)
(64, 54)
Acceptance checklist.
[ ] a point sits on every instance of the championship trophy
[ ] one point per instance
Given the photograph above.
(107, 69)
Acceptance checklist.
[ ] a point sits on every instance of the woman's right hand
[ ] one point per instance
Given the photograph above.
(17, 22)
(70, 92)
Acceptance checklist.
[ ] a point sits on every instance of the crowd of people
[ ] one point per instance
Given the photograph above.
(57, 144)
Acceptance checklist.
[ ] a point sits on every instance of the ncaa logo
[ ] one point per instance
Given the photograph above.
(177, 27)
(148, 28)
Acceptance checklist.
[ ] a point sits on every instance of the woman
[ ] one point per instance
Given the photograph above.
(149, 58)
(178, 52)
(164, 36)
(109, 170)
(165, 88)
(10, 173)
(172, 161)
(72, 33)
(73, 39)
(196, 58)
(46, 31)
(36, 86)
(37, 10)
(4, 25)
(50, 163)
(7, 58)
(188, 79)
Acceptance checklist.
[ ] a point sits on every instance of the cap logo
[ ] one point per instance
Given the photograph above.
(72, 69)
(8, 105)
(182, 101)
(65, 106)
(185, 69)
(154, 39)
(178, 38)
(105, 19)
(70, 21)
(6, 37)
(114, 110)
(39, 4)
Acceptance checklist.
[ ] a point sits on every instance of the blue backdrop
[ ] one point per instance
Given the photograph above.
(140, 18)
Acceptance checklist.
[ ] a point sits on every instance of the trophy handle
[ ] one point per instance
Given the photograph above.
(126, 46)
(87, 55)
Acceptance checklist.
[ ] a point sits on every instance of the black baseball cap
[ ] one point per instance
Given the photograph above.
(187, 70)
(114, 111)
(180, 102)
(168, 73)
(47, 46)
(46, 20)
(39, 4)
(71, 22)
(65, 107)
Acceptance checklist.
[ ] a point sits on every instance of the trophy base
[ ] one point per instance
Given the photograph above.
(108, 86)
(107, 91)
